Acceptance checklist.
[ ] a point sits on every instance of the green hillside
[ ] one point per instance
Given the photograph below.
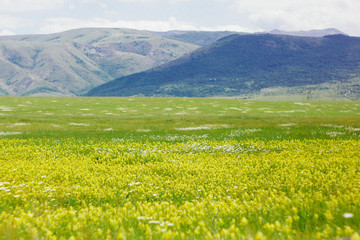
(246, 65)
(201, 38)
(73, 62)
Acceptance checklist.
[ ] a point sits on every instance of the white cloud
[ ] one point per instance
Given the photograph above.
(153, 1)
(234, 28)
(62, 24)
(6, 32)
(10, 22)
(29, 5)
(301, 15)
(25, 16)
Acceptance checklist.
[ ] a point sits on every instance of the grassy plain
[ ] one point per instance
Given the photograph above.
(143, 118)
(178, 168)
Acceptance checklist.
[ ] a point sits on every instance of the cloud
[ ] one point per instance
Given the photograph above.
(32, 16)
(62, 24)
(6, 32)
(55, 25)
(11, 22)
(234, 28)
(29, 5)
(301, 15)
(154, 1)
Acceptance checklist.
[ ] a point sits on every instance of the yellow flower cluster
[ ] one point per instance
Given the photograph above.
(200, 189)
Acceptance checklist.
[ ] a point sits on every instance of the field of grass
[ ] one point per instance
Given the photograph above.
(148, 119)
(178, 168)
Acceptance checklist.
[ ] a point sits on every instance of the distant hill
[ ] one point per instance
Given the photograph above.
(310, 33)
(247, 65)
(73, 62)
(201, 38)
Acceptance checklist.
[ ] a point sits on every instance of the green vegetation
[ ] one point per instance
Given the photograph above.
(216, 118)
(178, 168)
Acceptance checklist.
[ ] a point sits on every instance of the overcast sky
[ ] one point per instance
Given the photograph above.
(50, 16)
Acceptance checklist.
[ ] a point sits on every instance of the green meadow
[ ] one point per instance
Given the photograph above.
(178, 168)
(149, 119)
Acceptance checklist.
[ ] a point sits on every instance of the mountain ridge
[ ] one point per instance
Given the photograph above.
(72, 62)
(309, 33)
(244, 65)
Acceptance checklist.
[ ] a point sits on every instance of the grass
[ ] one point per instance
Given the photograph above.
(142, 118)
(178, 168)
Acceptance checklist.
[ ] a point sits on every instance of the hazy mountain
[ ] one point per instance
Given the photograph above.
(201, 38)
(73, 62)
(204, 38)
(310, 33)
(244, 65)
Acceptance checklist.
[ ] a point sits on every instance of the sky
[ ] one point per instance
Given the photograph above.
(51, 16)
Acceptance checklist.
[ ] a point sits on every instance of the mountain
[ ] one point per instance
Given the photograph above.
(73, 62)
(310, 33)
(201, 38)
(247, 65)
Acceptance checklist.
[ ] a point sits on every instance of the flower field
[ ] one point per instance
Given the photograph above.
(156, 174)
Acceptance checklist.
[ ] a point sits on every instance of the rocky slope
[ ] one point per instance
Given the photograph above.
(73, 62)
